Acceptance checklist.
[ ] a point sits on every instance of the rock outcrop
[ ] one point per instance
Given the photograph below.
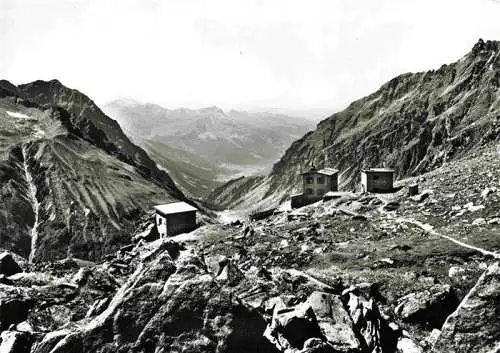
(475, 325)
(325, 322)
(168, 304)
(430, 307)
(15, 305)
(15, 342)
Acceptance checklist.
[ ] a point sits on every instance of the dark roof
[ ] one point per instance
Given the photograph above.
(378, 170)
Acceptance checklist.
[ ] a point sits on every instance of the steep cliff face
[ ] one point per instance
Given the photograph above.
(413, 123)
(71, 183)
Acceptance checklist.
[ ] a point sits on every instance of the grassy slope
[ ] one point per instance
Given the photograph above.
(194, 175)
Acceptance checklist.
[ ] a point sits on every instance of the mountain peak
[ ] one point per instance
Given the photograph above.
(53, 82)
(212, 110)
(8, 89)
(482, 47)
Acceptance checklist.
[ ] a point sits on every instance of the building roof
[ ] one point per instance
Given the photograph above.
(324, 171)
(378, 170)
(174, 207)
(337, 194)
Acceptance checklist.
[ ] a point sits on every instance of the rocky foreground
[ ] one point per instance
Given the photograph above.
(361, 273)
(161, 297)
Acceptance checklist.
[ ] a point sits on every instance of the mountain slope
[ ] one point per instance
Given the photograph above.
(88, 121)
(72, 184)
(414, 123)
(194, 175)
(231, 143)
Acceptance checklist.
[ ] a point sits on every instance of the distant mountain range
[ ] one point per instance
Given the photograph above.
(71, 182)
(202, 148)
(414, 123)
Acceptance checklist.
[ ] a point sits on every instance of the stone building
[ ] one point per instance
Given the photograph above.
(315, 184)
(378, 180)
(175, 218)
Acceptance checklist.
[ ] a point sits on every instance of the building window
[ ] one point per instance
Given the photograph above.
(309, 191)
(159, 220)
(320, 192)
(310, 180)
(321, 180)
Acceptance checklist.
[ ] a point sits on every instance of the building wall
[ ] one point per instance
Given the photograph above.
(161, 225)
(334, 183)
(181, 223)
(377, 181)
(316, 190)
(296, 201)
(364, 182)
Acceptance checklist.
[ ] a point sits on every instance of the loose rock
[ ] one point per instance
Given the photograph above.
(475, 325)
(429, 307)
(8, 266)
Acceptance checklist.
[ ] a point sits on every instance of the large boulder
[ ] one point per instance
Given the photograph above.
(428, 308)
(475, 325)
(15, 342)
(407, 345)
(319, 324)
(334, 321)
(8, 266)
(15, 304)
(229, 273)
(290, 328)
(374, 331)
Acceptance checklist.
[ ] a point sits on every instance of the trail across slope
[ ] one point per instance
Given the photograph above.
(430, 229)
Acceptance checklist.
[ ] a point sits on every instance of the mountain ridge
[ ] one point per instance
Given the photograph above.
(414, 122)
(69, 188)
(88, 120)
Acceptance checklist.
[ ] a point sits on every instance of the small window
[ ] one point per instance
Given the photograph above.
(159, 220)
(309, 191)
(321, 180)
(310, 180)
(320, 192)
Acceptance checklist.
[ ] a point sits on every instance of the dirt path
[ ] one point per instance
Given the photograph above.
(430, 229)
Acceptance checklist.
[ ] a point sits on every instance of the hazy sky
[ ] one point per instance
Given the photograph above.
(285, 54)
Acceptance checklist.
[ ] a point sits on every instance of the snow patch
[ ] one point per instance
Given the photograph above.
(227, 216)
(17, 115)
(207, 135)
